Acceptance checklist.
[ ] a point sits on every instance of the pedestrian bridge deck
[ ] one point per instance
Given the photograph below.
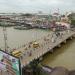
(45, 46)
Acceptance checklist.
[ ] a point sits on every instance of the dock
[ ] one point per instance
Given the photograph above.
(45, 45)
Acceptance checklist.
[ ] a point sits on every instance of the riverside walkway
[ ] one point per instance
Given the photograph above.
(46, 44)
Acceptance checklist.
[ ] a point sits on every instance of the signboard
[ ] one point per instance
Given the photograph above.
(9, 65)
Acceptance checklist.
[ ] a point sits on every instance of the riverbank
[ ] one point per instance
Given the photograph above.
(63, 56)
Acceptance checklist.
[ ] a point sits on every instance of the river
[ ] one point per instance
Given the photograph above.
(17, 38)
(64, 56)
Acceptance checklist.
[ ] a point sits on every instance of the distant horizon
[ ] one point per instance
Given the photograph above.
(35, 12)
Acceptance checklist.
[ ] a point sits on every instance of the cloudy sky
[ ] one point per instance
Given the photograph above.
(36, 5)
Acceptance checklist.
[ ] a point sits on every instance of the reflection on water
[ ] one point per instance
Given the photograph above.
(17, 38)
(64, 56)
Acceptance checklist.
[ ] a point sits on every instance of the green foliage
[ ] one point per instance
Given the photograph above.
(71, 16)
(27, 14)
(72, 22)
(38, 21)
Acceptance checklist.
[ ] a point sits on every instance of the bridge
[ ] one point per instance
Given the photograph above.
(47, 44)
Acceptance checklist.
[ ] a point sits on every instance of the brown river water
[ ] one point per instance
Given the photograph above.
(63, 56)
(17, 38)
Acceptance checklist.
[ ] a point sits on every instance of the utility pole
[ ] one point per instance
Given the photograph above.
(5, 38)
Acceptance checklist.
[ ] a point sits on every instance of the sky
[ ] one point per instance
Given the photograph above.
(46, 6)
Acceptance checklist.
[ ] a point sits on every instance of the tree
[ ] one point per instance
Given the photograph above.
(72, 22)
(27, 15)
(71, 16)
(34, 65)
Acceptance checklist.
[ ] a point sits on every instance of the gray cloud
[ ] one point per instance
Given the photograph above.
(36, 5)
